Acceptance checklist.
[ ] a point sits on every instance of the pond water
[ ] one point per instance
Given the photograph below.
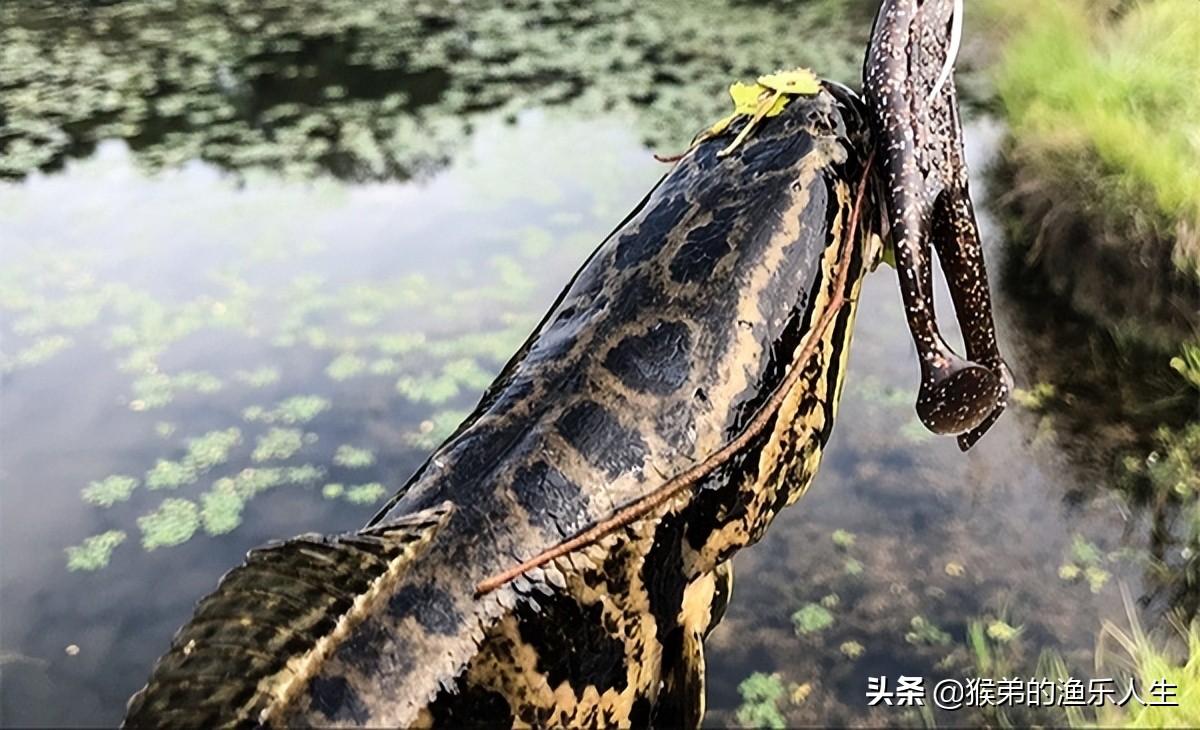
(225, 327)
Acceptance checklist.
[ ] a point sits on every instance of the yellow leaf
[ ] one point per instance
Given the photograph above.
(745, 97)
(776, 108)
(720, 126)
(797, 81)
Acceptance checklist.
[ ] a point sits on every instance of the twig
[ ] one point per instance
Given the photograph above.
(642, 506)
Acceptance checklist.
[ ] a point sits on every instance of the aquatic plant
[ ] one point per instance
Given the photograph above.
(211, 449)
(365, 493)
(346, 366)
(41, 350)
(333, 490)
(110, 490)
(435, 430)
(843, 539)
(173, 523)
(278, 443)
(1086, 561)
(852, 649)
(295, 410)
(169, 475)
(221, 511)
(95, 552)
(203, 453)
(852, 567)
(1166, 672)
(259, 377)
(1187, 363)
(1036, 398)
(352, 457)
(1000, 631)
(924, 632)
(811, 618)
(761, 694)
(155, 389)
(383, 366)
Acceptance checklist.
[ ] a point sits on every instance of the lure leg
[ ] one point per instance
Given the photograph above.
(956, 237)
(956, 395)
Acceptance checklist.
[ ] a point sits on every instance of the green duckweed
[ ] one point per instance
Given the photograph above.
(352, 457)
(926, 633)
(110, 490)
(259, 377)
(292, 411)
(811, 618)
(173, 523)
(761, 694)
(278, 443)
(365, 493)
(346, 366)
(95, 552)
(221, 511)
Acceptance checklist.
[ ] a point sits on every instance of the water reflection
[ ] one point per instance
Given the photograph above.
(372, 89)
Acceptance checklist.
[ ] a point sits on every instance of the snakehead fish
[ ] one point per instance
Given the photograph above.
(683, 320)
(681, 329)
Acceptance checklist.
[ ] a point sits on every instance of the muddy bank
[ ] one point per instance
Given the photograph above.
(1122, 269)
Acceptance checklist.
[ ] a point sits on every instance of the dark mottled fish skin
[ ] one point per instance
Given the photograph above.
(688, 313)
(924, 177)
(681, 324)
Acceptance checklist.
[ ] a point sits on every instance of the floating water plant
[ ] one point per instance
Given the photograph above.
(811, 618)
(435, 389)
(259, 377)
(383, 366)
(352, 457)
(110, 490)
(211, 449)
(843, 539)
(435, 430)
(333, 491)
(295, 410)
(1036, 398)
(173, 523)
(221, 511)
(851, 649)
(170, 475)
(155, 389)
(761, 694)
(1086, 561)
(400, 343)
(37, 353)
(1000, 631)
(346, 366)
(278, 443)
(365, 493)
(204, 453)
(926, 633)
(95, 552)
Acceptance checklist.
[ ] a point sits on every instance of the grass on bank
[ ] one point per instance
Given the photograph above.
(1101, 98)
